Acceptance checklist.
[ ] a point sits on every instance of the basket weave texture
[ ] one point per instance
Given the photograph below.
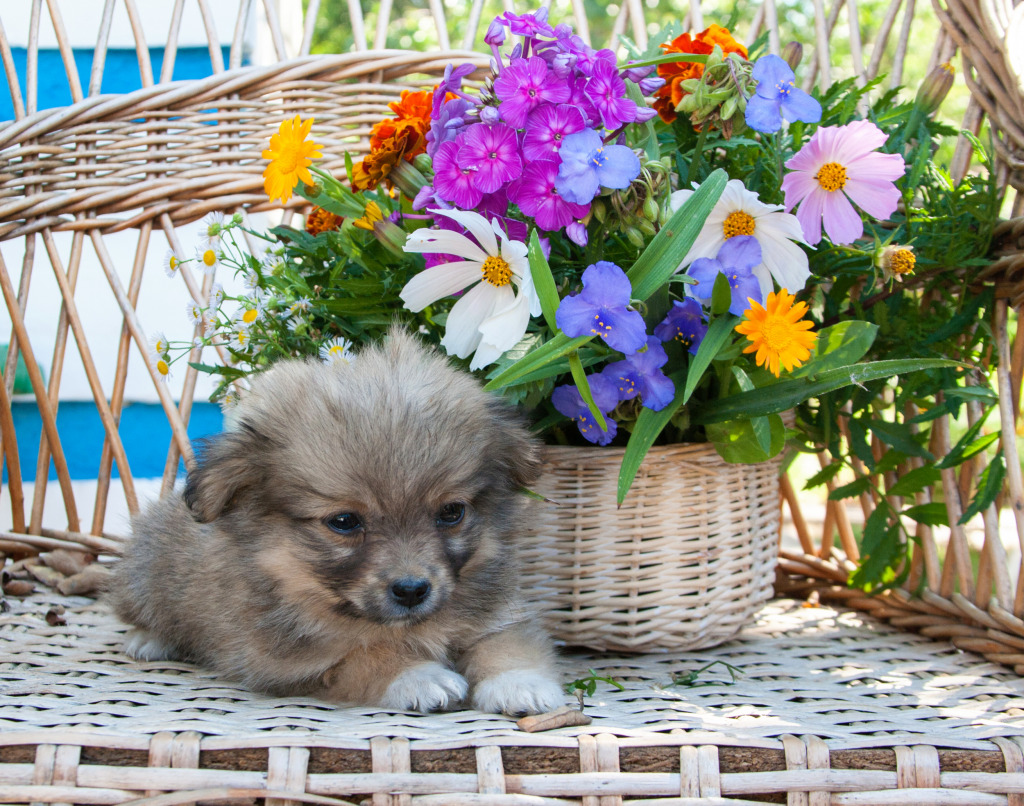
(684, 563)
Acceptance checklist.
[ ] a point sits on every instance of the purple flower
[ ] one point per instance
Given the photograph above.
(568, 401)
(606, 90)
(578, 98)
(546, 128)
(452, 183)
(495, 205)
(489, 114)
(638, 74)
(577, 232)
(423, 198)
(644, 114)
(534, 192)
(777, 97)
(651, 84)
(452, 80)
(523, 86)
(495, 33)
(530, 25)
(588, 165)
(641, 374)
(685, 324)
(736, 260)
(491, 153)
(601, 309)
(447, 120)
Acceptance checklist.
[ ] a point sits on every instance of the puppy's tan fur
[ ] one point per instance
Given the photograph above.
(243, 574)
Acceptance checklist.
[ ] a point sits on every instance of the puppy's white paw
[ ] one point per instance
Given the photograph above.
(145, 646)
(425, 687)
(518, 691)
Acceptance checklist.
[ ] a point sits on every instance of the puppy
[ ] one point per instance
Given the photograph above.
(354, 539)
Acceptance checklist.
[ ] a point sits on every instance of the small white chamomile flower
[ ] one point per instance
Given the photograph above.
(301, 304)
(163, 369)
(245, 317)
(229, 401)
(240, 338)
(171, 263)
(211, 229)
(216, 295)
(337, 350)
(159, 344)
(207, 259)
(251, 281)
(195, 314)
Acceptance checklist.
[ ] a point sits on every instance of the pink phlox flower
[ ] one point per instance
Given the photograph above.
(447, 120)
(546, 128)
(452, 81)
(491, 153)
(837, 166)
(579, 98)
(529, 25)
(534, 192)
(606, 91)
(523, 86)
(451, 182)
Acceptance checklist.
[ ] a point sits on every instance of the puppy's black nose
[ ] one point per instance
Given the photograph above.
(410, 591)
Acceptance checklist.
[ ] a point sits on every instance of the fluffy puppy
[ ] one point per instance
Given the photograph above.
(352, 538)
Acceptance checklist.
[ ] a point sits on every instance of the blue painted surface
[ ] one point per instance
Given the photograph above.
(120, 73)
(144, 431)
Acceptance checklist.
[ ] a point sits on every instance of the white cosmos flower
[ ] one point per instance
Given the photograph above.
(740, 212)
(490, 317)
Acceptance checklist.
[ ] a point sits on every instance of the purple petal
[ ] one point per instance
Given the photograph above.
(771, 72)
(619, 167)
(842, 223)
(622, 329)
(762, 114)
(657, 390)
(705, 271)
(798, 105)
(745, 286)
(575, 316)
(577, 233)
(740, 251)
(606, 285)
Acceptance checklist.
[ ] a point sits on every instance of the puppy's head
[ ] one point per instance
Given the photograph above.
(381, 490)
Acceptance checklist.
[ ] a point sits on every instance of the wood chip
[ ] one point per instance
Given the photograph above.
(92, 579)
(18, 587)
(46, 575)
(67, 562)
(564, 717)
(55, 616)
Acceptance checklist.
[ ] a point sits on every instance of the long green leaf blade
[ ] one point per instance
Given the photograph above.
(550, 351)
(646, 429)
(543, 280)
(716, 337)
(580, 378)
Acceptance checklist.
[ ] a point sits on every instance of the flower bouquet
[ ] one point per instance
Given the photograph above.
(669, 249)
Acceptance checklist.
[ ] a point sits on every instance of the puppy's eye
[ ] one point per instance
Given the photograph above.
(344, 523)
(451, 514)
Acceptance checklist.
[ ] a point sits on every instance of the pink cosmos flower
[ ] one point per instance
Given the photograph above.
(839, 165)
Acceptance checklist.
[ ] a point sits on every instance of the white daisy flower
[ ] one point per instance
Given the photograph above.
(207, 259)
(251, 281)
(337, 350)
(293, 323)
(245, 317)
(301, 304)
(195, 314)
(740, 212)
(159, 344)
(163, 369)
(216, 295)
(490, 317)
(171, 263)
(240, 338)
(229, 401)
(211, 229)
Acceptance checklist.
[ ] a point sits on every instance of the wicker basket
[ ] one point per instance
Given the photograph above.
(684, 563)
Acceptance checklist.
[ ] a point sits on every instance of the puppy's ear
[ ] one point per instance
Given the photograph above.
(513, 448)
(225, 466)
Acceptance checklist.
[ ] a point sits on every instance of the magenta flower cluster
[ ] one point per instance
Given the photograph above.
(550, 91)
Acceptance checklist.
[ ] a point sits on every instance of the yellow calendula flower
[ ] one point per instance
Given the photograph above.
(777, 332)
(290, 156)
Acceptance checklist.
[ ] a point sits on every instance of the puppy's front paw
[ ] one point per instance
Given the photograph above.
(144, 646)
(425, 687)
(518, 691)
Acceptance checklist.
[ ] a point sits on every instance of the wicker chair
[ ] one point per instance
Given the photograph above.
(834, 708)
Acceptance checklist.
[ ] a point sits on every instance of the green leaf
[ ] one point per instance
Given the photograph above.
(854, 488)
(580, 378)
(721, 295)
(718, 334)
(839, 346)
(551, 350)
(650, 138)
(659, 261)
(826, 474)
(788, 393)
(668, 59)
(966, 446)
(990, 484)
(915, 481)
(933, 514)
(736, 442)
(980, 393)
(881, 550)
(648, 426)
(859, 441)
(900, 437)
(761, 425)
(543, 281)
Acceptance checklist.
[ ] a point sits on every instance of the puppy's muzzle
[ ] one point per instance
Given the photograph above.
(410, 591)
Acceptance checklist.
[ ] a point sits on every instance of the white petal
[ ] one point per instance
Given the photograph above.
(737, 197)
(444, 241)
(503, 329)
(437, 282)
(529, 290)
(786, 261)
(478, 226)
(781, 225)
(462, 334)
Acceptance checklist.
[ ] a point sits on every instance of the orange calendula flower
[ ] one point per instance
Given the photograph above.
(321, 220)
(675, 73)
(778, 332)
(377, 166)
(290, 156)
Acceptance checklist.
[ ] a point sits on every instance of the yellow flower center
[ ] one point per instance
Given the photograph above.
(250, 316)
(209, 257)
(902, 261)
(173, 262)
(337, 353)
(738, 223)
(831, 176)
(290, 157)
(163, 367)
(776, 333)
(496, 271)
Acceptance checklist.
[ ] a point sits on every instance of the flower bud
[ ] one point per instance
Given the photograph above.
(638, 74)
(729, 107)
(599, 210)
(489, 114)
(651, 209)
(236, 219)
(391, 236)
(935, 88)
(407, 179)
(495, 33)
(645, 226)
(715, 58)
(651, 85)
(635, 237)
(792, 53)
(423, 164)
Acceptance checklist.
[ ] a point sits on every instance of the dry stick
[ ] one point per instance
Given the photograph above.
(141, 49)
(437, 10)
(56, 369)
(12, 74)
(799, 523)
(67, 55)
(636, 19)
(99, 54)
(1016, 370)
(896, 73)
(171, 48)
(309, 25)
(38, 387)
(619, 26)
(216, 57)
(380, 39)
(771, 20)
(812, 66)
(120, 378)
(32, 59)
(882, 38)
(841, 519)
(9, 440)
(58, 539)
(177, 428)
(274, 23)
(821, 49)
(958, 558)
(697, 16)
(1008, 441)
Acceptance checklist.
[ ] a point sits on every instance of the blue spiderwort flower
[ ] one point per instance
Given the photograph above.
(568, 400)
(777, 97)
(736, 260)
(588, 165)
(684, 323)
(641, 374)
(601, 309)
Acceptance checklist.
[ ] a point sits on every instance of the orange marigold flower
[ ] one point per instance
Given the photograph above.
(675, 73)
(321, 220)
(778, 332)
(414, 105)
(377, 166)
